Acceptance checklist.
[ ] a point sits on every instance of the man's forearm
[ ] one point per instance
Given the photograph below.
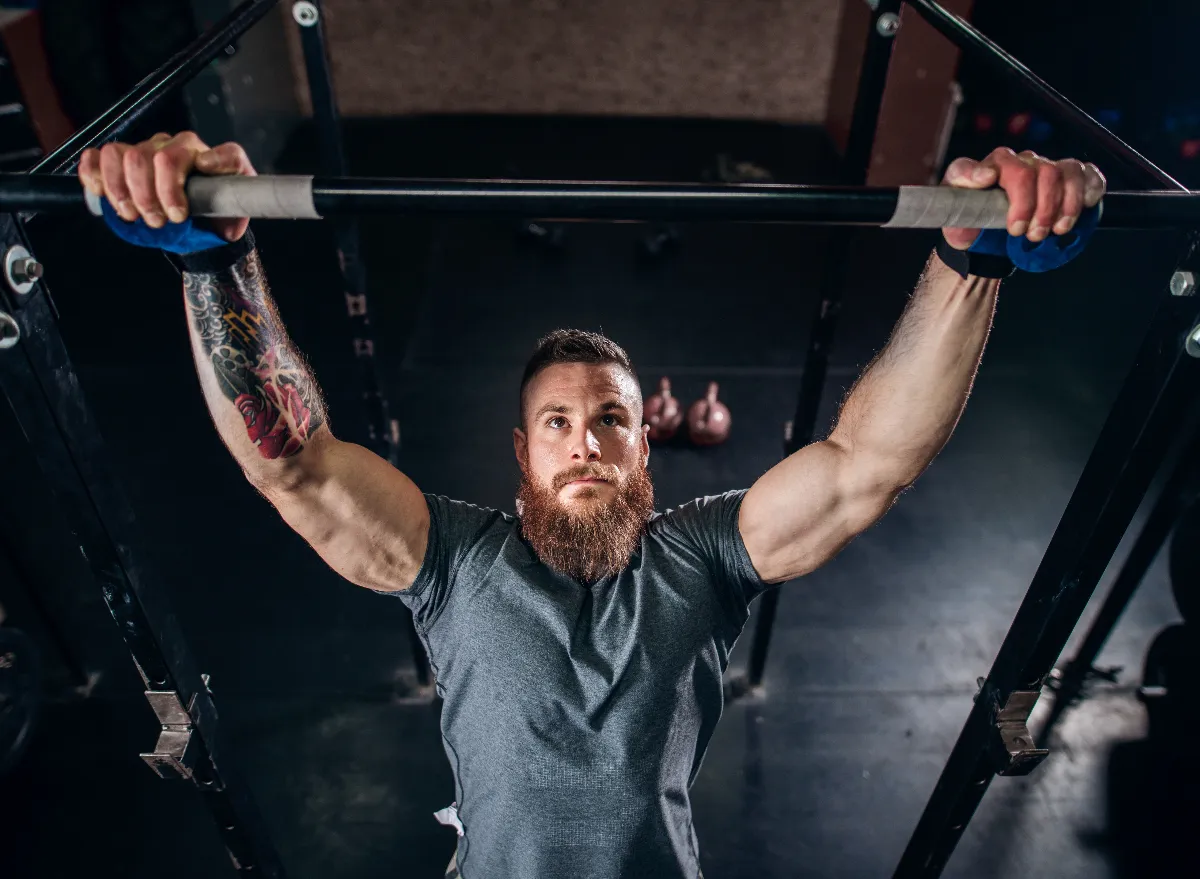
(262, 397)
(905, 406)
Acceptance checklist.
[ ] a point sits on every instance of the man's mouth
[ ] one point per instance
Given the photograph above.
(587, 480)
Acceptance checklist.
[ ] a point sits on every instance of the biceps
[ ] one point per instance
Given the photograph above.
(366, 519)
(804, 510)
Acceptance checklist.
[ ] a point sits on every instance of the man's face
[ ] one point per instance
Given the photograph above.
(585, 492)
(583, 435)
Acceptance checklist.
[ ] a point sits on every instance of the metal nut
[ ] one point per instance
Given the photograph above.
(1183, 284)
(10, 331)
(21, 270)
(305, 13)
(888, 24)
(26, 270)
(1192, 345)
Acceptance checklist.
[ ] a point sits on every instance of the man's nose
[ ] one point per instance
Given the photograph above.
(585, 446)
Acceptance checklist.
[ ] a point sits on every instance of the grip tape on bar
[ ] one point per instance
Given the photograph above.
(282, 197)
(937, 207)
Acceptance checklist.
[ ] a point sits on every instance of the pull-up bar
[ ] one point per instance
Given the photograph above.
(312, 198)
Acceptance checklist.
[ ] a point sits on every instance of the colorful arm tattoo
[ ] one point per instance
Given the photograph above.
(255, 365)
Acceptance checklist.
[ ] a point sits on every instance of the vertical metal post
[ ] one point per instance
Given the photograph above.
(1153, 405)
(885, 21)
(383, 433)
(382, 430)
(1162, 518)
(39, 383)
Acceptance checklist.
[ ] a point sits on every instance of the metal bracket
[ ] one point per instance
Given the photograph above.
(1015, 752)
(173, 755)
(21, 270)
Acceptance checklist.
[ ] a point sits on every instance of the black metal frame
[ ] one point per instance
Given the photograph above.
(1070, 681)
(383, 432)
(172, 75)
(40, 385)
(39, 382)
(1152, 407)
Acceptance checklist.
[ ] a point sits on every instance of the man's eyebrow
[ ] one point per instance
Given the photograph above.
(551, 407)
(562, 409)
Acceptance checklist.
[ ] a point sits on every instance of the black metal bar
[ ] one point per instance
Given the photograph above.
(868, 98)
(172, 75)
(855, 166)
(979, 48)
(383, 433)
(330, 145)
(554, 200)
(39, 383)
(1153, 404)
(604, 200)
(1154, 533)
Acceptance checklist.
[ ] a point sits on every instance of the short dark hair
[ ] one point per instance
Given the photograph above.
(571, 346)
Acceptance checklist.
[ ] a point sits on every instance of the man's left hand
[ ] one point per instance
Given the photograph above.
(1045, 197)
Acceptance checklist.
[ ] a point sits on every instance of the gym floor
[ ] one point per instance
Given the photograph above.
(874, 658)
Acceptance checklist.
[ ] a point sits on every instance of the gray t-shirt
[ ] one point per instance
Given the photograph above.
(575, 718)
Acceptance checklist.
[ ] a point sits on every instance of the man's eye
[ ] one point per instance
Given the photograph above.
(557, 421)
(609, 420)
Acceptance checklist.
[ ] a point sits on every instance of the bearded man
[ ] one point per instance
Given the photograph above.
(579, 646)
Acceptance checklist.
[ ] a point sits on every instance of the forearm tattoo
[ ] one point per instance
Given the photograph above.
(255, 365)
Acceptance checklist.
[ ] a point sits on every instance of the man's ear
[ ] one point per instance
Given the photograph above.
(521, 448)
(646, 444)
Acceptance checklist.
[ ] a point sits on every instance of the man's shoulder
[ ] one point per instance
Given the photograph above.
(697, 507)
(464, 517)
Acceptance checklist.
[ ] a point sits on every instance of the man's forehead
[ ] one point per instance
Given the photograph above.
(584, 379)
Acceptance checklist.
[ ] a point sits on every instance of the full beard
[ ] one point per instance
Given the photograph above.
(593, 540)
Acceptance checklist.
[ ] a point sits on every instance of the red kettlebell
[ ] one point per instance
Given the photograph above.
(708, 419)
(663, 413)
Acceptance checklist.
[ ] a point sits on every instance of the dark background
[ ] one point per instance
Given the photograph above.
(875, 657)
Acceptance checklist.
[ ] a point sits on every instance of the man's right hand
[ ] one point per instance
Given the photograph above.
(146, 179)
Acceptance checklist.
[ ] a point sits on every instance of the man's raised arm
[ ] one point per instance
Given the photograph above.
(903, 409)
(367, 520)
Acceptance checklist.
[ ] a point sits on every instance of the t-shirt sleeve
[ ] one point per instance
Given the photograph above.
(455, 528)
(710, 525)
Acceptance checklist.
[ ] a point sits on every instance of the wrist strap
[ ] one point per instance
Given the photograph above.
(215, 260)
(981, 265)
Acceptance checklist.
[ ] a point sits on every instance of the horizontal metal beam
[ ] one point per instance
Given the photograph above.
(285, 197)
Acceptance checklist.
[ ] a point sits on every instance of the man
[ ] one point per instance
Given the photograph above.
(578, 647)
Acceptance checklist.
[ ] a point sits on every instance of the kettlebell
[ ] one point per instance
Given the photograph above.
(663, 413)
(708, 419)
